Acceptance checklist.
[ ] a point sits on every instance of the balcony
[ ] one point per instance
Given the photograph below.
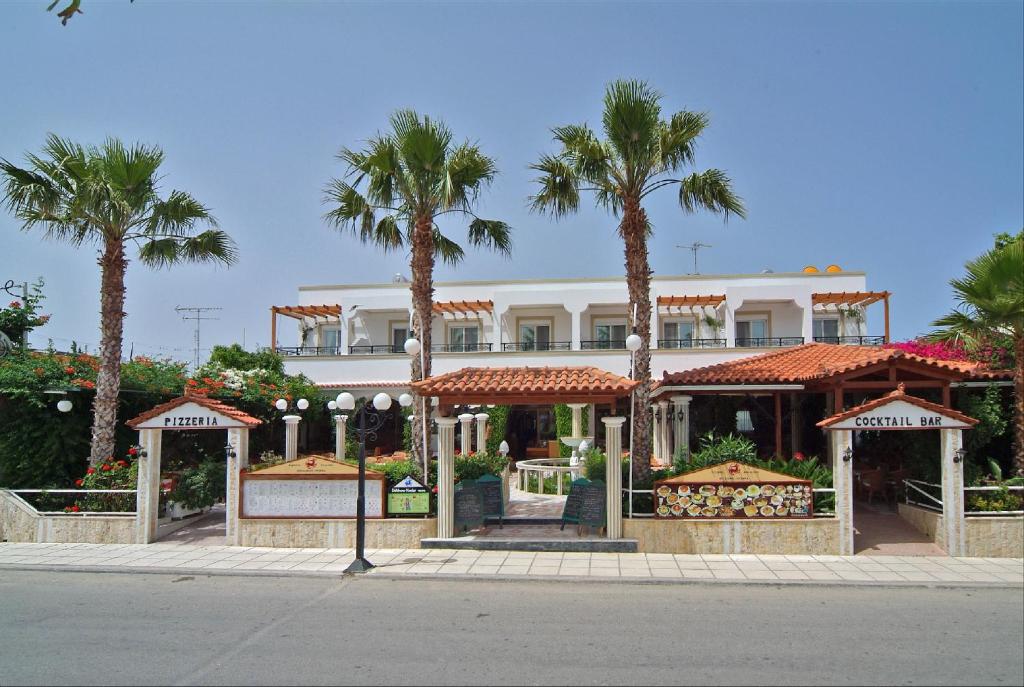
(769, 341)
(519, 346)
(612, 345)
(289, 351)
(690, 343)
(852, 340)
(460, 347)
(367, 349)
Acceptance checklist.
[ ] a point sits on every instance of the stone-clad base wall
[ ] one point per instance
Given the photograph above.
(925, 521)
(20, 523)
(389, 533)
(818, 536)
(995, 537)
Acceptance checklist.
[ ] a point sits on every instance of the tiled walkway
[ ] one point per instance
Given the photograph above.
(851, 570)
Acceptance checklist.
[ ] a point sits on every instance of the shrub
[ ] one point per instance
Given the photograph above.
(476, 465)
(396, 470)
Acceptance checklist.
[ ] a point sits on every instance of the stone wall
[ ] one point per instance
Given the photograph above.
(995, 537)
(813, 536)
(925, 521)
(387, 533)
(19, 522)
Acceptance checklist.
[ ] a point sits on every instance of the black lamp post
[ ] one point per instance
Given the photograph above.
(375, 416)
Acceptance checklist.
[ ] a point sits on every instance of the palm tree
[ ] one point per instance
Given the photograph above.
(640, 154)
(107, 197)
(990, 305)
(410, 176)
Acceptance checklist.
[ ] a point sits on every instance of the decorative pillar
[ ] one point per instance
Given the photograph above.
(340, 425)
(656, 433)
(481, 431)
(238, 457)
(613, 474)
(147, 495)
(842, 482)
(577, 418)
(682, 436)
(291, 436)
(467, 433)
(446, 477)
(575, 319)
(953, 492)
(666, 442)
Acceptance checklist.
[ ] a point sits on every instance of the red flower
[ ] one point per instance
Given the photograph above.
(75, 509)
(79, 482)
(123, 463)
(798, 456)
(192, 382)
(91, 471)
(16, 305)
(133, 451)
(106, 468)
(434, 490)
(70, 370)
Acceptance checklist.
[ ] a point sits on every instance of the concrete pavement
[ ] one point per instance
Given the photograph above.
(419, 563)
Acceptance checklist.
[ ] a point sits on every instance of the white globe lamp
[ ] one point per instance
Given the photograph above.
(633, 342)
(302, 404)
(405, 400)
(64, 406)
(332, 405)
(281, 404)
(382, 401)
(346, 401)
(412, 346)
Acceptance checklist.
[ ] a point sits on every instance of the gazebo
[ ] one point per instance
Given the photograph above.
(525, 385)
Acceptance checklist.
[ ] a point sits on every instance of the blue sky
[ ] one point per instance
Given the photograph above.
(886, 137)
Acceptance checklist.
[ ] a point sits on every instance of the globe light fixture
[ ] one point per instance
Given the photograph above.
(382, 401)
(64, 405)
(281, 404)
(412, 346)
(332, 405)
(633, 342)
(584, 446)
(302, 404)
(405, 400)
(346, 401)
(503, 448)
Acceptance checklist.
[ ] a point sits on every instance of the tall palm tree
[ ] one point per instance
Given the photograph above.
(411, 176)
(108, 197)
(990, 305)
(640, 154)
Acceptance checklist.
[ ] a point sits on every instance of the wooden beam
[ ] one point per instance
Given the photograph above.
(778, 424)
(886, 317)
(838, 399)
(884, 384)
(947, 399)
(273, 328)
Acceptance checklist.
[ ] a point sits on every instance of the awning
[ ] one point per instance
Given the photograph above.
(463, 307)
(690, 301)
(852, 298)
(301, 312)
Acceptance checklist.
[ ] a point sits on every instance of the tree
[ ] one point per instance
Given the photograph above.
(640, 154)
(411, 176)
(990, 305)
(234, 357)
(107, 197)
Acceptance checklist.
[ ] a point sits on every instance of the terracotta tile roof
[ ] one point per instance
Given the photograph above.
(813, 362)
(388, 383)
(520, 381)
(898, 395)
(205, 401)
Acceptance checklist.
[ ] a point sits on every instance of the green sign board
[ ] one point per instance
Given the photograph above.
(408, 497)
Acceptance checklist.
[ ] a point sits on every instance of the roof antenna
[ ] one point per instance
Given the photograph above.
(694, 247)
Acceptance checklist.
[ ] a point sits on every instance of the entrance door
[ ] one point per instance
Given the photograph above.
(534, 336)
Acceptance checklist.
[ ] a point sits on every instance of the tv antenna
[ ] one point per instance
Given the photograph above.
(694, 247)
(199, 317)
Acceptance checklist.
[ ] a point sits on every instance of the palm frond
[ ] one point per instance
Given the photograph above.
(178, 215)
(559, 187)
(491, 233)
(710, 190)
(468, 169)
(450, 252)
(209, 246)
(677, 138)
(631, 119)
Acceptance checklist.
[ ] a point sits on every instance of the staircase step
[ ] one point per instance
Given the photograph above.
(496, 543)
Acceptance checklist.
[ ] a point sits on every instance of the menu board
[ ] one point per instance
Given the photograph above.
(308, 498)
(492, 491)
(574, 502)
(593, 508)
(469, 505)
(733, 490)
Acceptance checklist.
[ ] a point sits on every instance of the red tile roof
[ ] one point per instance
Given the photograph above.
(814, 362)
(525, 381)
(362, 385)
(898, 395)
(205, 401)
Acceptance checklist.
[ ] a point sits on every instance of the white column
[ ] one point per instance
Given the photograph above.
(842, 482)
(238, 439)
(730, 323)
(682, 437)
(953, 492)
(343, 328)
(291, 436)
(576, 318)
(577, 418)
(613, 474)
(147, 495)
(339, 436)
(446, 477)
(666, 442)
(466, 444)
(656, 431)
(807, 317)
(481, 431)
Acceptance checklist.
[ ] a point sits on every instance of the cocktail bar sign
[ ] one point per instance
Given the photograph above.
(899, 415)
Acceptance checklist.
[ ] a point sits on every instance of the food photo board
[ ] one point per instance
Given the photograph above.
(309, 487)
(733, 490)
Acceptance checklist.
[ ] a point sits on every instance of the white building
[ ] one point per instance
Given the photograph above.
(352, 336)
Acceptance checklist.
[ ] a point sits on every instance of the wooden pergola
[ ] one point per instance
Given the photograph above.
(854, 299)
(463, 307)
(691, 302)
(301, 312)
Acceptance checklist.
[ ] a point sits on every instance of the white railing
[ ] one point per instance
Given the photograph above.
(15, 493)
(543, 467)
(992, 512)
(915, 490)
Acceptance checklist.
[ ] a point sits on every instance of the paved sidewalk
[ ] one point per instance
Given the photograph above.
(634, 567)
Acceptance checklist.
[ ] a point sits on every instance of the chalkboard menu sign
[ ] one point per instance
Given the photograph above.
(493, 497)
(408, 497)
(585, 505)
(469, 505)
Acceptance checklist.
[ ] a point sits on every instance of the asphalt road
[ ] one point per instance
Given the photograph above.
(89, 628)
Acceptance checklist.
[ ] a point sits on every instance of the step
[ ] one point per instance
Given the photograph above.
(496, 543)
(525, 520)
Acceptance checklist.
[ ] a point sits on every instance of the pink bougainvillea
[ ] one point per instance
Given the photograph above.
(938, 350)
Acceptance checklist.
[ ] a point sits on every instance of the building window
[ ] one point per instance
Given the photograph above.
(751, 332)
(609, 335)
(826, 329)
(329, 337)
(534, 336)
(399, 335)
(678, 334)
(463, 338)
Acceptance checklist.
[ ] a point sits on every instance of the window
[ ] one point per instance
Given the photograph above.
(534, 336)
(463, 338)
(329, 337)
(751, 332)
(826, 329)
(608, 335)
(399, 335)
(678, 334)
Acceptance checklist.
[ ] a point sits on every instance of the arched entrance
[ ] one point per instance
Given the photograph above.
(188, 412)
